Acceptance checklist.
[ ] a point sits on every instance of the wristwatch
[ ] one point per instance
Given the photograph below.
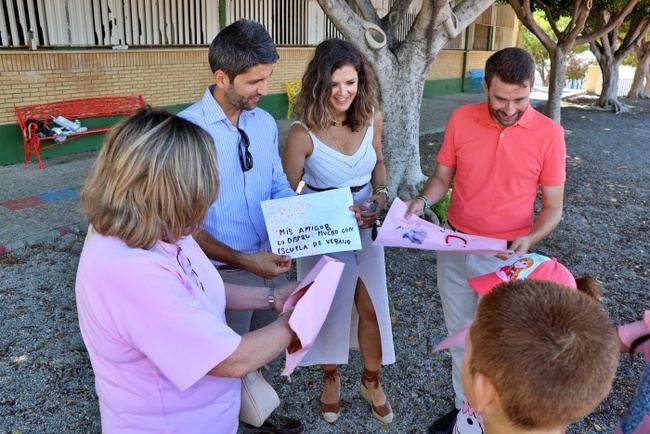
(270, 298)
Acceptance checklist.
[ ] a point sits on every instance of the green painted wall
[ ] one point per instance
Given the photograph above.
(11, 145)
(443, 86)
(276, 104)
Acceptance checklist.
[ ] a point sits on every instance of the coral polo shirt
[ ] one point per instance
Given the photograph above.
(498, 171)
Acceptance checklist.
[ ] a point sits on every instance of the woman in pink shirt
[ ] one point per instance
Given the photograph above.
(151, 305)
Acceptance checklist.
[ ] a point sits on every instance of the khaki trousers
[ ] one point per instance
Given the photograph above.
(459, 300)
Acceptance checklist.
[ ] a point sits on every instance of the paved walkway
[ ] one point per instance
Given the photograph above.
(40, 205)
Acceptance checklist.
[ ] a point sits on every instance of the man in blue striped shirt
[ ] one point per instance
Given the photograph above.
(234, 234)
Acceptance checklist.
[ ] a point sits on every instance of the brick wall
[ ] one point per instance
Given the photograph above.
(477, 59)
(448, 64)
(163, 76)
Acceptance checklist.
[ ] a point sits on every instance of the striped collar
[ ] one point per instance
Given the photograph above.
(213, 113)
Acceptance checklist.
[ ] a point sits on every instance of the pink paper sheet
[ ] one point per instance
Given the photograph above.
(456, 340)
(417, 233)
(311, 301)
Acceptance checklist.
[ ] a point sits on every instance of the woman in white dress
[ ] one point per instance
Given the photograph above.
(336, 144)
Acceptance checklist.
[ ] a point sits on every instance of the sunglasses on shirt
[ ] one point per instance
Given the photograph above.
(186, 266)
(245, 156)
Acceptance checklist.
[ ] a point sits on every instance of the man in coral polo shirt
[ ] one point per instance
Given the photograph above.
(497, 153)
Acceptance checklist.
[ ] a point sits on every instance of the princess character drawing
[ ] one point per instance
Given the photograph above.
(511, 272)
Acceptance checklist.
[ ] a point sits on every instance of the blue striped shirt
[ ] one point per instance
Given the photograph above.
(235, 218)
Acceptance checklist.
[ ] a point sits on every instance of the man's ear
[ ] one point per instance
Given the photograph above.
(485, 86)
(485, 394)
(221, 79)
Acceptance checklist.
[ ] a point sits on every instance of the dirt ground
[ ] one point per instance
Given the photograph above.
(46, 382)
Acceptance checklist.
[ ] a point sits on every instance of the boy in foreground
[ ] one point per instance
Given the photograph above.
(539, 357)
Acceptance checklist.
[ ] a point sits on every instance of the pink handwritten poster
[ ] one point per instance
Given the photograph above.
(417, 233)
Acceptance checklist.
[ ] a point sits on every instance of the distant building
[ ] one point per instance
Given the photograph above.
(158, 48)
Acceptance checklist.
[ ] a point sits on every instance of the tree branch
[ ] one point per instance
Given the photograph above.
(418, 36)
(432, 16)
(467, 12)
(639, 27)
(368, 11)
(351, 25)
(551, 19)
(634, 35)
(596, 48)
(525, 15)
(614, 22)
(579, 19)
(396, 14)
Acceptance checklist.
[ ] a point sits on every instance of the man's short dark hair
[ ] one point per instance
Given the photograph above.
(241, 46)
(512, 65)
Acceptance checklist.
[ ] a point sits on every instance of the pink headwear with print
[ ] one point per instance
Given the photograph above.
(537, 267)
(529, 266)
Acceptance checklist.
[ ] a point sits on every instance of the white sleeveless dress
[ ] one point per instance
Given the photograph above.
(329, 168)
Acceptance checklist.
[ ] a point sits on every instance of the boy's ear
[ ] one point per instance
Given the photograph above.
(221, 79)
(485, 394)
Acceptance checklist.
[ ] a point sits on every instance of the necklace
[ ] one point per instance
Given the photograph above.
(337, 145)
(338, 123)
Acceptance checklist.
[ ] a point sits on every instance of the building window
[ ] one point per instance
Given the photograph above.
(105, 23)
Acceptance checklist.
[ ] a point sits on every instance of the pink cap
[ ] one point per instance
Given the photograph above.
(528, 266)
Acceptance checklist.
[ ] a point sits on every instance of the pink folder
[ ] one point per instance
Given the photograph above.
(417, 233)
(311, 301)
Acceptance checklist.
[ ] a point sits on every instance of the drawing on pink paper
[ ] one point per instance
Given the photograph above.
(413, 233)
(417, 233)
(311, 301)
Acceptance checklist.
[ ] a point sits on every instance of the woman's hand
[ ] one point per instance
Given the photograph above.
(367, 215)
(282, 293)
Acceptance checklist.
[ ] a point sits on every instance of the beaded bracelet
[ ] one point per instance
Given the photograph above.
(425, 201)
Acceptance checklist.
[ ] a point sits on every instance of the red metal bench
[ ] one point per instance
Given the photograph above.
(30, 116)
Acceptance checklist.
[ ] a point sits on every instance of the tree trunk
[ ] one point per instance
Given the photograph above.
(609, 93)
(557, 80)
(541, 69)
(637, 90)
(401, 94)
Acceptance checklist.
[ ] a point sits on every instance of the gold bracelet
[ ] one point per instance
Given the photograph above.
(381, 189)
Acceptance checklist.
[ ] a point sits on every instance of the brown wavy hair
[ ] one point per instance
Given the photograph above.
(154, 179)
(312, 101)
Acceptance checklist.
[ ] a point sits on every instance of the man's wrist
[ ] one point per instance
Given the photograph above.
(425, 201)
(241, 260)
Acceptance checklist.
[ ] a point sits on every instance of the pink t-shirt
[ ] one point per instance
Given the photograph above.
(153, 334)
(498, 172)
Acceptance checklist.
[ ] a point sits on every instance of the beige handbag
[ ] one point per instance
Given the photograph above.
(258, 399)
